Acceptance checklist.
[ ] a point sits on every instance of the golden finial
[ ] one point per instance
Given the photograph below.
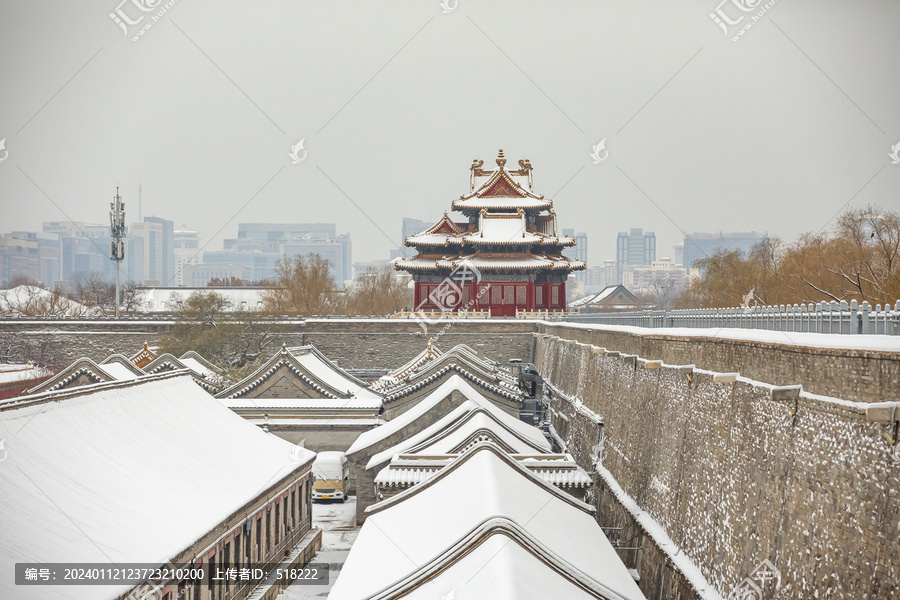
(501, 160)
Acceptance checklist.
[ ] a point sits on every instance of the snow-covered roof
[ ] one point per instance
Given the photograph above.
(312, 367)
(391, 378)
(461, 360)
(11, 373)
(398, 423)
(319, 404)
(143, 356)
(441, 233)
(325, 370)
(119, 371)
(204, 376)
(406, 470)
(500, 560)
(81, 368)
(502, 229)
(377, 460)
(88, 475)
(200, 365)
(506, 431)
(399, 538)
(605, 293)
(471, 422)
(418, 262)
(501, 189)
(511, 260)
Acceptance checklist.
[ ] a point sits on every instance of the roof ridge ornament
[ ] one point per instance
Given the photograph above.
(476, 171)
(501, 160)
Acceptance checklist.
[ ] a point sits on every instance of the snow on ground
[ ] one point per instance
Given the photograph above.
(337, 521)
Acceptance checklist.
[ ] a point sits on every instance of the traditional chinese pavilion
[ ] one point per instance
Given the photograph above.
(506, 256)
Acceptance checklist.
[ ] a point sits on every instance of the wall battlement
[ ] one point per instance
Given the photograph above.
(735, 472)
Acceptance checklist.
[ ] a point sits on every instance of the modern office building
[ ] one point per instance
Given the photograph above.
(410, 227)
(636, 248)
(259, 246)
(166, 243)
(334, 248)
(186, 250)
(577, 252)
(29, 255)
(269, 235)
(662, 273)
(702, 245)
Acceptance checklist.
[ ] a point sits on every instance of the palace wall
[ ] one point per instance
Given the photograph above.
(352, 343)
(732, 472)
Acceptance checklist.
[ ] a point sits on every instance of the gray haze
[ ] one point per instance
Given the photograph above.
(776, 132)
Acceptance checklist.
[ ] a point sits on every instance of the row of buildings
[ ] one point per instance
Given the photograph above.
(446, 463)
(159, 254)
(132, 464)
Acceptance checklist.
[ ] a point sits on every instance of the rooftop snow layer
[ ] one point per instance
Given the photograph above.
(132, 472)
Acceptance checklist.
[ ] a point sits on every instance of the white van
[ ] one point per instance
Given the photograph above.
(331, 472)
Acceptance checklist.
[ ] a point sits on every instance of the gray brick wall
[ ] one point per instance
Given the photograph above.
(735, 477)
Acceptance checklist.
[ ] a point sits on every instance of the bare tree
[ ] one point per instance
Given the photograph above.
(379, 293)
(303, 286)
(132, 298)
(664, 289)
(204, 323)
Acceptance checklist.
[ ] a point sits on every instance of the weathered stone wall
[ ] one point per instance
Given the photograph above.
(389, 344)
(732, 475)
(356, 343)
(861, 375)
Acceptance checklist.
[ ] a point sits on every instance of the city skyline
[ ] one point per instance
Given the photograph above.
(807, 131)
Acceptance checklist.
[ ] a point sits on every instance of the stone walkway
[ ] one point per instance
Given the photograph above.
(338, 534)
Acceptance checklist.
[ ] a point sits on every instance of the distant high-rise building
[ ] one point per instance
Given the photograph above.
(29, 255)
(151, 234)
(336, 249)
(84, 248)
(702, 245)
(410, 227)
(269, 235)
(662, 274)
(577, 252)
(256, 250)
(187, 251)
(166, 268)
(636, 248)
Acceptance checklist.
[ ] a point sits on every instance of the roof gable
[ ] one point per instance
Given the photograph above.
(445, 225)
(501, 185)
(83, 371)
(499, 559)
(302, 372)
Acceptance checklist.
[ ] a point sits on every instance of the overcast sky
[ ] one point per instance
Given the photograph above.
(775, 132)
